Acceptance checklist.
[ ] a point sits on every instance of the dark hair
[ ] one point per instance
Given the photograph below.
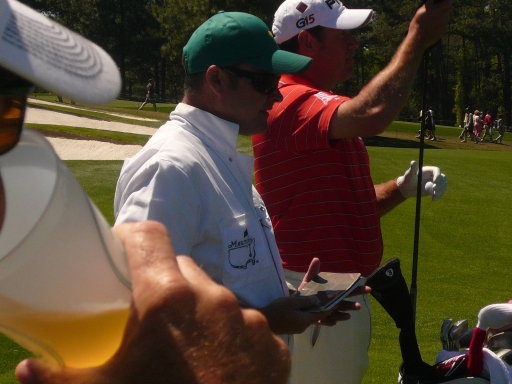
(194, 82)
(292, 45)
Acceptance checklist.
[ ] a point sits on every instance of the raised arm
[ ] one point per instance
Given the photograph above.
(380, 101)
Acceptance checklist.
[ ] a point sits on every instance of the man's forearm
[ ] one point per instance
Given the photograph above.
(380, 101)
(388, 196)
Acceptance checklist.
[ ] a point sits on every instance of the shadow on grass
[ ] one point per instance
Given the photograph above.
(379, 141)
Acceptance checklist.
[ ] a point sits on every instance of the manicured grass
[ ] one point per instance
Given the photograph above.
(89, 134)
(125, 107)
(10, 355)
(464, 248)
(465, 238)
(98, 178)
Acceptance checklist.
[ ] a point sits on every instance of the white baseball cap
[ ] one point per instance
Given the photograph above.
(293, 16)
(52, 57)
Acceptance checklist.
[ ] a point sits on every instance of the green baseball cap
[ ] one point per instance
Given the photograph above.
(230, 38)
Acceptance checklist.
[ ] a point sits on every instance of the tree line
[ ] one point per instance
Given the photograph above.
(469, 67)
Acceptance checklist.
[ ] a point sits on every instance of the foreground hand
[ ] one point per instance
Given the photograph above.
(432, 180)
(183, 327)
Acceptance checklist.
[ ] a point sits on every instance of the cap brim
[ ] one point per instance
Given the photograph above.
(283, 62)
(54, 58)
(350, 19)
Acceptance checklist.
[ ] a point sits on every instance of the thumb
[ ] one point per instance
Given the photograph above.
(414, 168)
(35, 371)
(313, 271)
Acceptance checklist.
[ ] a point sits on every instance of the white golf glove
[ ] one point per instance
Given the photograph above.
(434, 182)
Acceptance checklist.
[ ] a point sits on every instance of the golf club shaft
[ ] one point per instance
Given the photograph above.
(414, 278)
(414, 289)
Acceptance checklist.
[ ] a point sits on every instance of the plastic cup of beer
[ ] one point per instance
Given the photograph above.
(64, 278)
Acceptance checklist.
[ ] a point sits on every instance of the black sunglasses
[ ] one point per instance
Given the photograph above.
(13, 103)
(265, 83)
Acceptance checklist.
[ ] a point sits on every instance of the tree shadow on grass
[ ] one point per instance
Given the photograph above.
(379, 141)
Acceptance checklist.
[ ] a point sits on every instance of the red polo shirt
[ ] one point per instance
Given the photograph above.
(319, 193)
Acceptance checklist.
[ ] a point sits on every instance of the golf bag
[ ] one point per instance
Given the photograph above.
(390, 290)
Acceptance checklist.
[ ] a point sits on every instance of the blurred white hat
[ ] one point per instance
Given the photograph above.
(54, 58)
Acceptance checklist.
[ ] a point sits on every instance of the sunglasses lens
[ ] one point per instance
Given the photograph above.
(12, 110)
(261, 82)
(265, 83)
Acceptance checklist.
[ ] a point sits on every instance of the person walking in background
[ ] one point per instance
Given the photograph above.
(500, 128)
(468, 126)
(150, 95)
(477, 125)
(488, 123)
(420, 118)
(430, 126)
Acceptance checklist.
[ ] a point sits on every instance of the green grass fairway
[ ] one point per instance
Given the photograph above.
(465, 245)
(123, 106)
(465, 238)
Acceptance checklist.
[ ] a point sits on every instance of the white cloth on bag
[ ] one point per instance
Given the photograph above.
(340, 353)
(495, 368)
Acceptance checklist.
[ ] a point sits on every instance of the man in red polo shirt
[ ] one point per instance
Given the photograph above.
(313, 171)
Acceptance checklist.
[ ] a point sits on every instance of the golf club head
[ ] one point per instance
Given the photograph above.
(505, 355)
(445, 329)
(465, 339)
(501, 340)
(456, 331)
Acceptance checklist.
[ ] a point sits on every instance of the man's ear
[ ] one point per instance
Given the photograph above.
(216, 79)
(307, 42)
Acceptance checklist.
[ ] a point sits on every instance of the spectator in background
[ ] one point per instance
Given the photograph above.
(468, 126)
(430, 125)
(500, 128)
(477, 126)
(150, 95)
(488, 125)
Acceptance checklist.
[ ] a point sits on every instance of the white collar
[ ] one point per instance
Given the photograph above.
(214, 131)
